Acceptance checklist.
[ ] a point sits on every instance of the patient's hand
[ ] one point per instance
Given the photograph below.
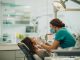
(37, 41)
(38, 46)
(40, 52)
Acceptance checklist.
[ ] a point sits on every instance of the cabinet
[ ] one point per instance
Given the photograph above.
(7, 55)
(19, 58)
(15, 19)
(64, 55)
(20, 55)
(12, 55)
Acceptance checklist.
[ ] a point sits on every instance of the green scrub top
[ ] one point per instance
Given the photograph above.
(65, 37)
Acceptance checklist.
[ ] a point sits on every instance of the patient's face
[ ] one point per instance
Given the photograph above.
(33, 41)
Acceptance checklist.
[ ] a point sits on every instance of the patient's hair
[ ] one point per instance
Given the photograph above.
(27, 41)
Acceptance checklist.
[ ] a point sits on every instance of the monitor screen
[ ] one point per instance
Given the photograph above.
(30, 29)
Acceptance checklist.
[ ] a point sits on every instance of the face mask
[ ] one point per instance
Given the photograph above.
(52, 31)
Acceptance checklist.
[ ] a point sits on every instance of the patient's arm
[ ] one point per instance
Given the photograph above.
(47, 44)
(36, 41)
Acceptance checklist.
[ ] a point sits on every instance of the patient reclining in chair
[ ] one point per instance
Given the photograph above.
(34, 48)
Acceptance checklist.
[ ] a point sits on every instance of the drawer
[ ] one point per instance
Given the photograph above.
(7, 55)
(20, 59)
(19, 54)
(25, 58)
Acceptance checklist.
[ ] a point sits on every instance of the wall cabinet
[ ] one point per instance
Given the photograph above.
(14, 19)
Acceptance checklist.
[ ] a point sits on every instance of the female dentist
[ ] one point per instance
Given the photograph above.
(63, 38)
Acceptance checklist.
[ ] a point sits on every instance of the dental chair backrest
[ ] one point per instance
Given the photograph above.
(26, 51)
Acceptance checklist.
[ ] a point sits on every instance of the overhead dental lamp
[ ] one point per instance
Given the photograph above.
(59, 4)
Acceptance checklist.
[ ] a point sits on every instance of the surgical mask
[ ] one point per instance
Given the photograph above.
(52, 31)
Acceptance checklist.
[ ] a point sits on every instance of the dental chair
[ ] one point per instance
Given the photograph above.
(27, 52)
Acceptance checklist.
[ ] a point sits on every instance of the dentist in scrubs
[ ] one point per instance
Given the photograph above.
(63, 38)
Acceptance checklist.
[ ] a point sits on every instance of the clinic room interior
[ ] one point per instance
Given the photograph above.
(39, 29)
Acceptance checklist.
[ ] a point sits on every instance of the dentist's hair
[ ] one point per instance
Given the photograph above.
(57, 22)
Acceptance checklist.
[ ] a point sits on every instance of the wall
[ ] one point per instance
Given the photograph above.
(71, 18)
(39, 8)
(44, 10)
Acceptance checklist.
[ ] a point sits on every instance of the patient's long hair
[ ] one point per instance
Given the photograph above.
(27, 41)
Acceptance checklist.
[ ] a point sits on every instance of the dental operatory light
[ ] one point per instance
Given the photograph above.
(59, 4)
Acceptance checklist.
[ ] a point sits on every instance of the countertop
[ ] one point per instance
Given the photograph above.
(8, 47)
(15, 47)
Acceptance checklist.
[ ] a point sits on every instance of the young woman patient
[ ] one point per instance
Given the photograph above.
(34, 48)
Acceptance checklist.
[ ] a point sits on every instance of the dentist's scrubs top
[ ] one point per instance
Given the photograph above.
(65, 37)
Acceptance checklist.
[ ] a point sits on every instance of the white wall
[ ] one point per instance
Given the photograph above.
(38, 8)
(71, 4)
(11, 31)
(71, 18)
(43, 8)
